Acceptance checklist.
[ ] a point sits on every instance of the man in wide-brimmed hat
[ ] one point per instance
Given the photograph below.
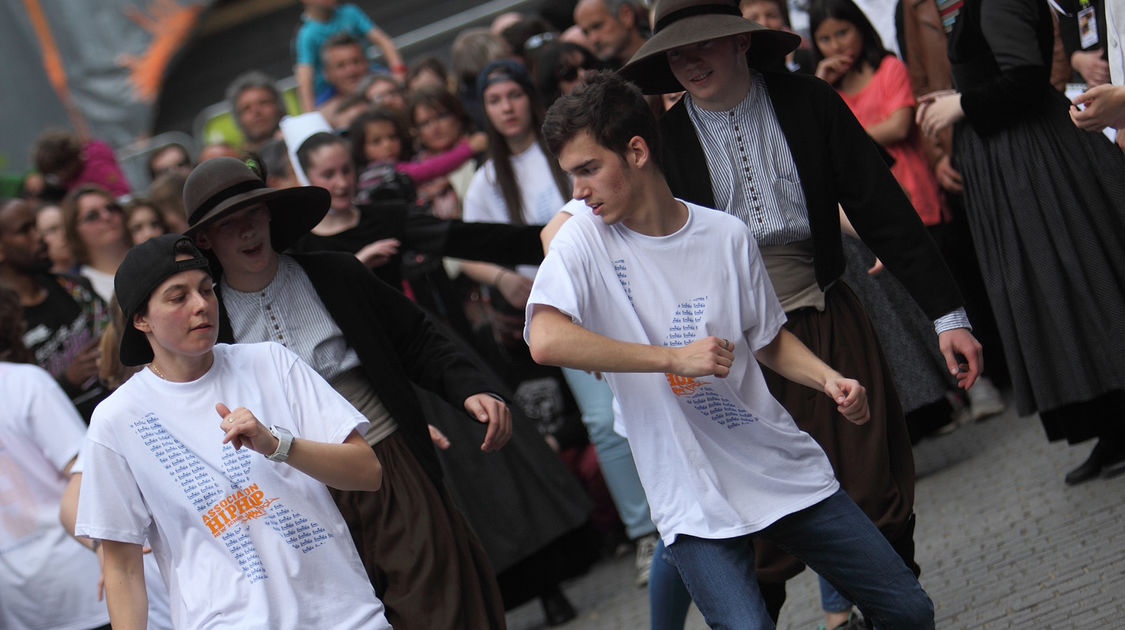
(373, 345)
(781, 152)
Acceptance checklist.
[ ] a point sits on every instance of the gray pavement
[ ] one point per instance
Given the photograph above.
(1002, 542)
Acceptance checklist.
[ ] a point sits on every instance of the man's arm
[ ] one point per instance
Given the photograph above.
(555, 340)
(789, 357)
(124, 574)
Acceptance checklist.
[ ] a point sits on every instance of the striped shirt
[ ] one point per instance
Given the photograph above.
(289, 311)
(754, 178)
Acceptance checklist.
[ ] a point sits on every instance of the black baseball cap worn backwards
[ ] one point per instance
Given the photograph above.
(144, 268)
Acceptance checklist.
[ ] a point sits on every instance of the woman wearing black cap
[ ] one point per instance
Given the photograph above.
(166, 461)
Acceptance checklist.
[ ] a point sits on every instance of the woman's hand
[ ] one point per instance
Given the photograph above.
(948, 177)
(515, 288)
(241, 428)
(1103, 106)
(378, 253)
(1091, 66)
(833, 68)
(478, 141)
(938, 110)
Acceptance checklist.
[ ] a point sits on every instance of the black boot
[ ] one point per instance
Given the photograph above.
(1107, 454)
(556, 607)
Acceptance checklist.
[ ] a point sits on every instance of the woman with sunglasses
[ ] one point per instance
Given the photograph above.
(95, 227)
(558, 67)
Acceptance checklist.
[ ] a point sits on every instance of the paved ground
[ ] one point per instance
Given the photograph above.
(1003, 543)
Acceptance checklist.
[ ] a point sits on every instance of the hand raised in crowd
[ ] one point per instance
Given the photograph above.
(710, 356)
(850, 397)
(948, 177)
(84, 365)
(378, 253)
(938, 110)
(1091, 66)
(241, 428)
(960, 342)
(1103, 106)
(833, 68)
(491, 410)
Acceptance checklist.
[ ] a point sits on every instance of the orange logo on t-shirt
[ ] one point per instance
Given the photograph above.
(245, 504)
(684, 385)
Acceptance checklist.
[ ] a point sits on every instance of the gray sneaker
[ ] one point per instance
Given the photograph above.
(984, 399)
(646, 547)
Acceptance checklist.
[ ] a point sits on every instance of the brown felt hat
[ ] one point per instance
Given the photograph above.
(224, 185)
(681, 22)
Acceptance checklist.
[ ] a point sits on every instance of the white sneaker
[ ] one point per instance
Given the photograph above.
(984, 399)
(646, 547)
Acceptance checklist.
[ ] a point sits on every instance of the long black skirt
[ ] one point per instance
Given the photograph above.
(1046, 206)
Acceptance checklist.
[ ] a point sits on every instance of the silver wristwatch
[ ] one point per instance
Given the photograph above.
(284, 441)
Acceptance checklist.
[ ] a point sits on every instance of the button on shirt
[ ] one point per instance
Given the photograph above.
(753, 175)
(289, 311)
(754, 178)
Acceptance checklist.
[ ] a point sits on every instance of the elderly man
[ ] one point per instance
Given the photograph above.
(257, 106)
(613, 27)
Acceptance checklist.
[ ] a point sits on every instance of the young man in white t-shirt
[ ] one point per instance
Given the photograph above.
(237, 513)
(667, 298)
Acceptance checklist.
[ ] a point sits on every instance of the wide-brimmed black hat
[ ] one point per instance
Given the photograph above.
(681, 22)
(224, 185)
(144, 268)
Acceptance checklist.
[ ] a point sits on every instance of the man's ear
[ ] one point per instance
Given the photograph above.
(201, 240)
(627, 16)
(742, 43)
(637, 152)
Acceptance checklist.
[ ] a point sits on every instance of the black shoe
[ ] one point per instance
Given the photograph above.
(1105, 454)
(556, 607)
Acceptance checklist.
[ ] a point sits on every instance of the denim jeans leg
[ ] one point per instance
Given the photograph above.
(668, 598)
(830, 599)
(719, 574)
(595, 400)
(837, 540)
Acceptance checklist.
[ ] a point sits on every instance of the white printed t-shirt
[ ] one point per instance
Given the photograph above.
(47, 579)
(718, 457)
(539, 194)
(241, 541)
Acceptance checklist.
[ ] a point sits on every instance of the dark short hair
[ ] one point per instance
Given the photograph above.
(339, 40)
(609, 108)
(314, 142)
(55, 150)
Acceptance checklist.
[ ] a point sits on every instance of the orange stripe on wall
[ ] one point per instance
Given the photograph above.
(52, 63)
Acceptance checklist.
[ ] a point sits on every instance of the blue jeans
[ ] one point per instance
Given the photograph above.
(668, 599)
(830, 599)
(595, 400)
(836, 539)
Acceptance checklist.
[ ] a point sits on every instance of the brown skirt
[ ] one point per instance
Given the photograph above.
(424, 561)
(873, 462)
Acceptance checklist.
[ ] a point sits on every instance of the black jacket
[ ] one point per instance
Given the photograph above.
(396, 343)
(838, 163)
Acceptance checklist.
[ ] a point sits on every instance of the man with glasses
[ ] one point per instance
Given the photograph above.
(63, 317)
